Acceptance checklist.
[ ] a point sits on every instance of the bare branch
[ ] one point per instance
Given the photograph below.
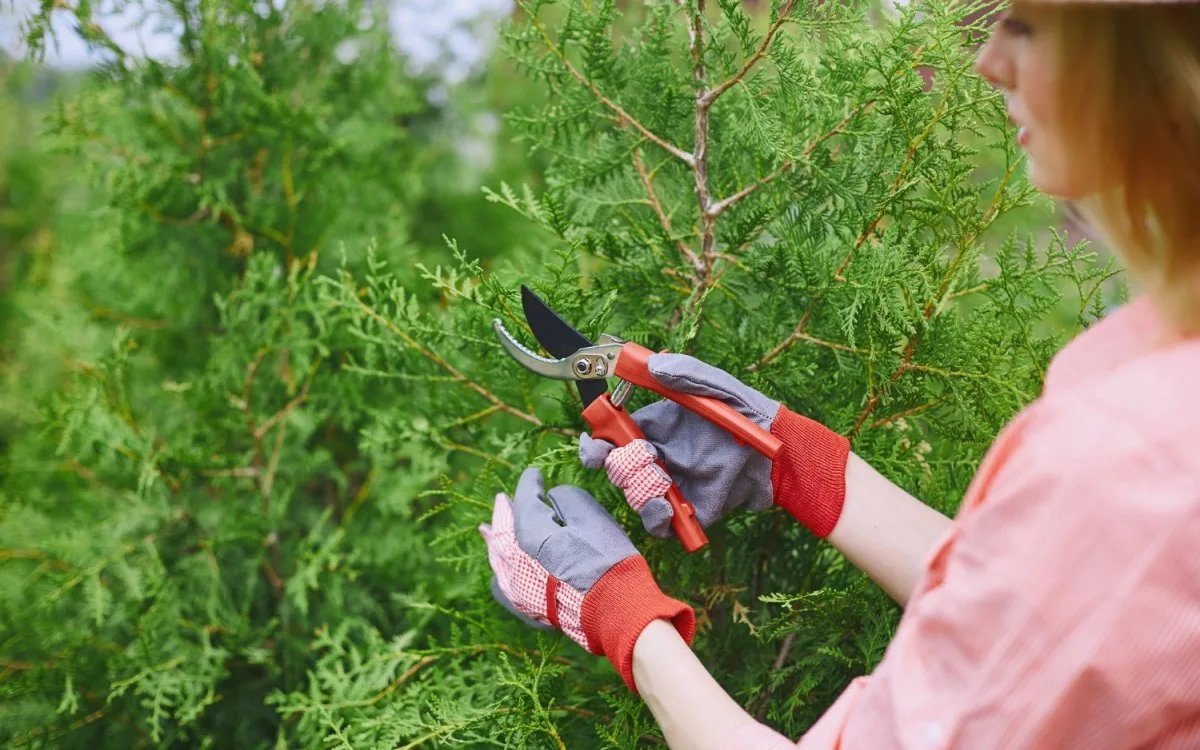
(704, 278)
(275, 418)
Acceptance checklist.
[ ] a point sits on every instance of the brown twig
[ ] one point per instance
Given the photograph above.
(989, 215)
(34, 554)
(700, 147)
(722, 205)
(270, 572)
(455, 374)
(268, 476)
(882, 421)
(713, 95)
(241, 472)
(833, 345)
(663, 220)
(623, 117)
(780, 658)
(876, 397)
(703, 277)
(105, 313)
(275, 418)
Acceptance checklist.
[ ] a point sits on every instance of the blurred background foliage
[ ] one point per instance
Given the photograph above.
(160, 219)
(210, 452)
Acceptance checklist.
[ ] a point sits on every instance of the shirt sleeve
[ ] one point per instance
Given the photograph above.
(1061, 612)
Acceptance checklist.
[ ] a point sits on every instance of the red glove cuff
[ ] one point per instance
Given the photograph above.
(619, 607)
(809, 474)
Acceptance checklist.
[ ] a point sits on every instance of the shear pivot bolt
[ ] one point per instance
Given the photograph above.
(582, 366)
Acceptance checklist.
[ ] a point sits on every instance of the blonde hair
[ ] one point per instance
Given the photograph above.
(1131, 95)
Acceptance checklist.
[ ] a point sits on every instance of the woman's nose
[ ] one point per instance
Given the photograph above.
(994, 65)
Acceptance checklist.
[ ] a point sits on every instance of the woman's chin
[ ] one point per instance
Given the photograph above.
(1051, 183)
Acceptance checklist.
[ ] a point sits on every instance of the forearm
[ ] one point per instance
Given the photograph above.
(691, 708)
(884, 530)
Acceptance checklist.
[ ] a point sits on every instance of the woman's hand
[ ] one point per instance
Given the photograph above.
(713, 471)
(839, 497)
(561, 561)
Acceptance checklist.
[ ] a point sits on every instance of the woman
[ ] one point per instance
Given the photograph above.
(1061, 608)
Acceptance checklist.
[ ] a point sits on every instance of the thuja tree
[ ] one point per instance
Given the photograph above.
(268, 127)
(784, 197)
(169, 472)
(276, 544)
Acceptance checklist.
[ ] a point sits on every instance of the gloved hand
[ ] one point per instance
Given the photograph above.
(569, 565)
(807, 478)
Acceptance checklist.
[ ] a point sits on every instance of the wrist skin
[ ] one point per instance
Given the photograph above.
(692, 710)
(885, 531)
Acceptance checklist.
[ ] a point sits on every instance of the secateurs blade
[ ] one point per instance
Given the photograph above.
(589, 365)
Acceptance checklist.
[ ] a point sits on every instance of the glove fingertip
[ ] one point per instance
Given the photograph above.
(656, 517)
(662, 532)
(593, 451)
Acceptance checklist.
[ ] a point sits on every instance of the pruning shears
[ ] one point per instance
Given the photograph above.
(590, 365)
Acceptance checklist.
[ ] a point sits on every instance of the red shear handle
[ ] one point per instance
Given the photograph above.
(614, 424)
(633, 365)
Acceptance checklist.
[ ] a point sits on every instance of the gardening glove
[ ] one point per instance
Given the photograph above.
(570, 566)
(714, 472)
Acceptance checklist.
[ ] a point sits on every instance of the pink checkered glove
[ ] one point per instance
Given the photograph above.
(569, 565)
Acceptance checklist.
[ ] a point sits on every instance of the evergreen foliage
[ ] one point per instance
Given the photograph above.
(250, 520)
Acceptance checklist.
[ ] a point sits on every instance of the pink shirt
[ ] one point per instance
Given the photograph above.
(1062, 608)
